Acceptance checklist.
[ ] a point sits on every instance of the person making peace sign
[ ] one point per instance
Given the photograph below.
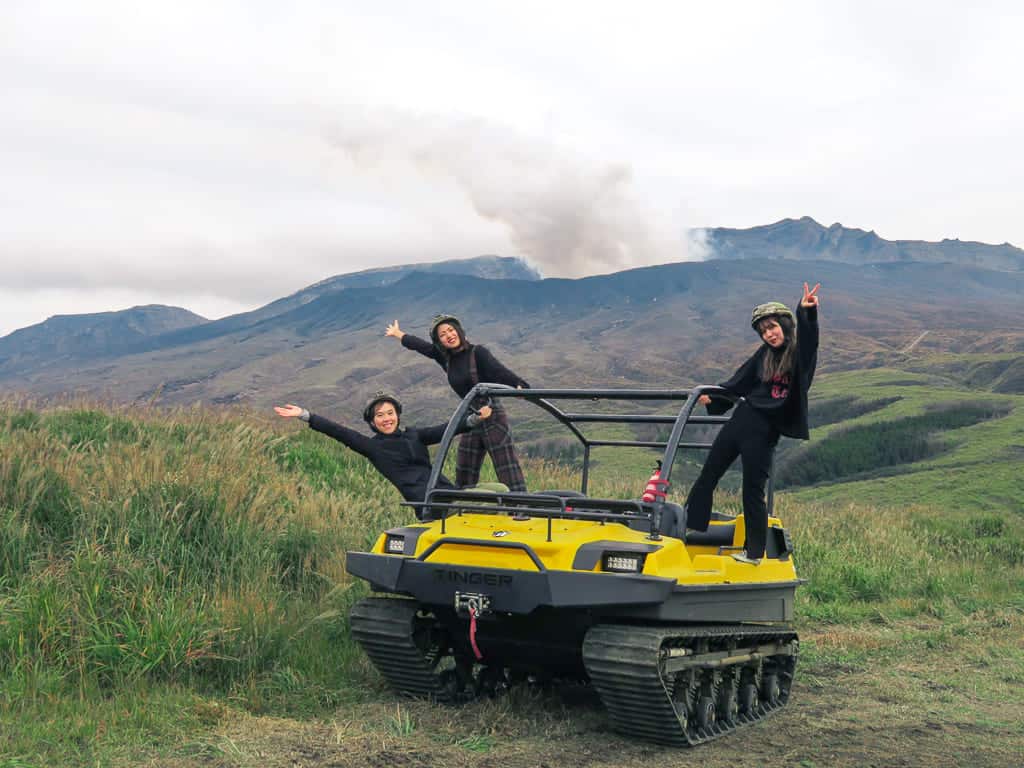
(774, 383)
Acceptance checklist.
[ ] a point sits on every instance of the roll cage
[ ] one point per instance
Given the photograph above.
(442, 502)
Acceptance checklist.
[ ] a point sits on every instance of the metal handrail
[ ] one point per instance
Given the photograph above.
(544, 398)
(533, 505)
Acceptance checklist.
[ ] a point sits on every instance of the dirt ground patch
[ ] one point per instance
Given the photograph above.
(938, 710)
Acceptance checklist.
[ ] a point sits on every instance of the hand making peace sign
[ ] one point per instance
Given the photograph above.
(810, 298)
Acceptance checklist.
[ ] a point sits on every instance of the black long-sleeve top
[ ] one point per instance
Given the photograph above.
(402, 456)
(457, 365)
(783, 402)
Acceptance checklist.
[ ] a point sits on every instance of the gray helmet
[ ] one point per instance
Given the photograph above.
(772, 308)
(439, 320)
(380, 396)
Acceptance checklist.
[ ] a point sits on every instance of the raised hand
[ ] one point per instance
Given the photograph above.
(485, 412)
(810, 298)
(288, 411)
(704, 400)
(394, 330)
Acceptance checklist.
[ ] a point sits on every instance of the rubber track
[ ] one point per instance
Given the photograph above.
(623, 663)
(384, 629)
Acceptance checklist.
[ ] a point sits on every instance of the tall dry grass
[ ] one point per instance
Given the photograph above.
(192, 546)
(186, 547)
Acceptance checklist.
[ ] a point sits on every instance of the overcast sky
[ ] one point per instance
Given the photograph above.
(218, 155)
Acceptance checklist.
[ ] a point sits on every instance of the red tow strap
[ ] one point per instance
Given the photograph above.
(472, 634)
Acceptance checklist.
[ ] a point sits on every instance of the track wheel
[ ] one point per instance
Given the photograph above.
(770, 688)
(705, 711)
(685, 695)
(728, 704)
(748, 694)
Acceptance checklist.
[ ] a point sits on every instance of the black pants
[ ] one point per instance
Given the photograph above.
(748, 435)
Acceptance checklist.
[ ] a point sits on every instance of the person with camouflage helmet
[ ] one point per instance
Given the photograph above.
(399, 453)
(466, 366)
(773, 383)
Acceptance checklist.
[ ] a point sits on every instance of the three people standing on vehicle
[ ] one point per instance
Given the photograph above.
(773, 384)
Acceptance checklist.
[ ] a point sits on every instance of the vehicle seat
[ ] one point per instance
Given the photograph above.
(714, 536)
(673, 521)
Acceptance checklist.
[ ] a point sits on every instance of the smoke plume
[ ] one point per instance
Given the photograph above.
(566, 215)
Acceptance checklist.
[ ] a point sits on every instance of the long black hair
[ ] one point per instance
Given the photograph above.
(779, 363)
(455, 323)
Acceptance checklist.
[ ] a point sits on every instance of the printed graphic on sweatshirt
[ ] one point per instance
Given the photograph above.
(780, 386)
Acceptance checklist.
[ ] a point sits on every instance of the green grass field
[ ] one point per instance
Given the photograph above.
(975, 467)
(168, 579)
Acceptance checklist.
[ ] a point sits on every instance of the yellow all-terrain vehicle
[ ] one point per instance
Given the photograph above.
(682, 642)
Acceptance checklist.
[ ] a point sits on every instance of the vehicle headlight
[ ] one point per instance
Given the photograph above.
(394, 545)
(622, 562)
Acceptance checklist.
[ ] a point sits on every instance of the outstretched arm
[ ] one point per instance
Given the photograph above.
(415, 343)
(292, 412)
(409, 341)
(348, 437)
(433, 435)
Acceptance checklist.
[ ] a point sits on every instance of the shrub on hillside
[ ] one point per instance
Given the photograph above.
(835, 409)
(870, 447)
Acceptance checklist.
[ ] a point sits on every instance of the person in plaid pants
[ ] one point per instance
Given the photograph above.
(466, 366)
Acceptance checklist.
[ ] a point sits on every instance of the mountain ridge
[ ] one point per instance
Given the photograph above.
(663, 325)
(75, 336)
(667, 325)
(806, 239)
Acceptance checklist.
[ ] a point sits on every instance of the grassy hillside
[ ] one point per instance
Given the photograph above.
(166, 577)
(963, 447)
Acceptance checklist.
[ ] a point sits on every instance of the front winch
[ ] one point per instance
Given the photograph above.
(472, 603)
(475, 605)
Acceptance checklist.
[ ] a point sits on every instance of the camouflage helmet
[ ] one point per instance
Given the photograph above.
(771, 309)
(380, 396)
(440, 320)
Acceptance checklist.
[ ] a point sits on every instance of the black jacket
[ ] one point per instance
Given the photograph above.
(783, 403)
(402, 456)
(457, 365)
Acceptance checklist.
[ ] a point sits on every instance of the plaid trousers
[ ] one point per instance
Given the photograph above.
(491, 436)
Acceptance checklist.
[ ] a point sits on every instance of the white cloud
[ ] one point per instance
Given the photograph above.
(169, 151)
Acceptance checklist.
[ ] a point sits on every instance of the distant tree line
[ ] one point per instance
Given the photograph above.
(872, 447)
(836, 409)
